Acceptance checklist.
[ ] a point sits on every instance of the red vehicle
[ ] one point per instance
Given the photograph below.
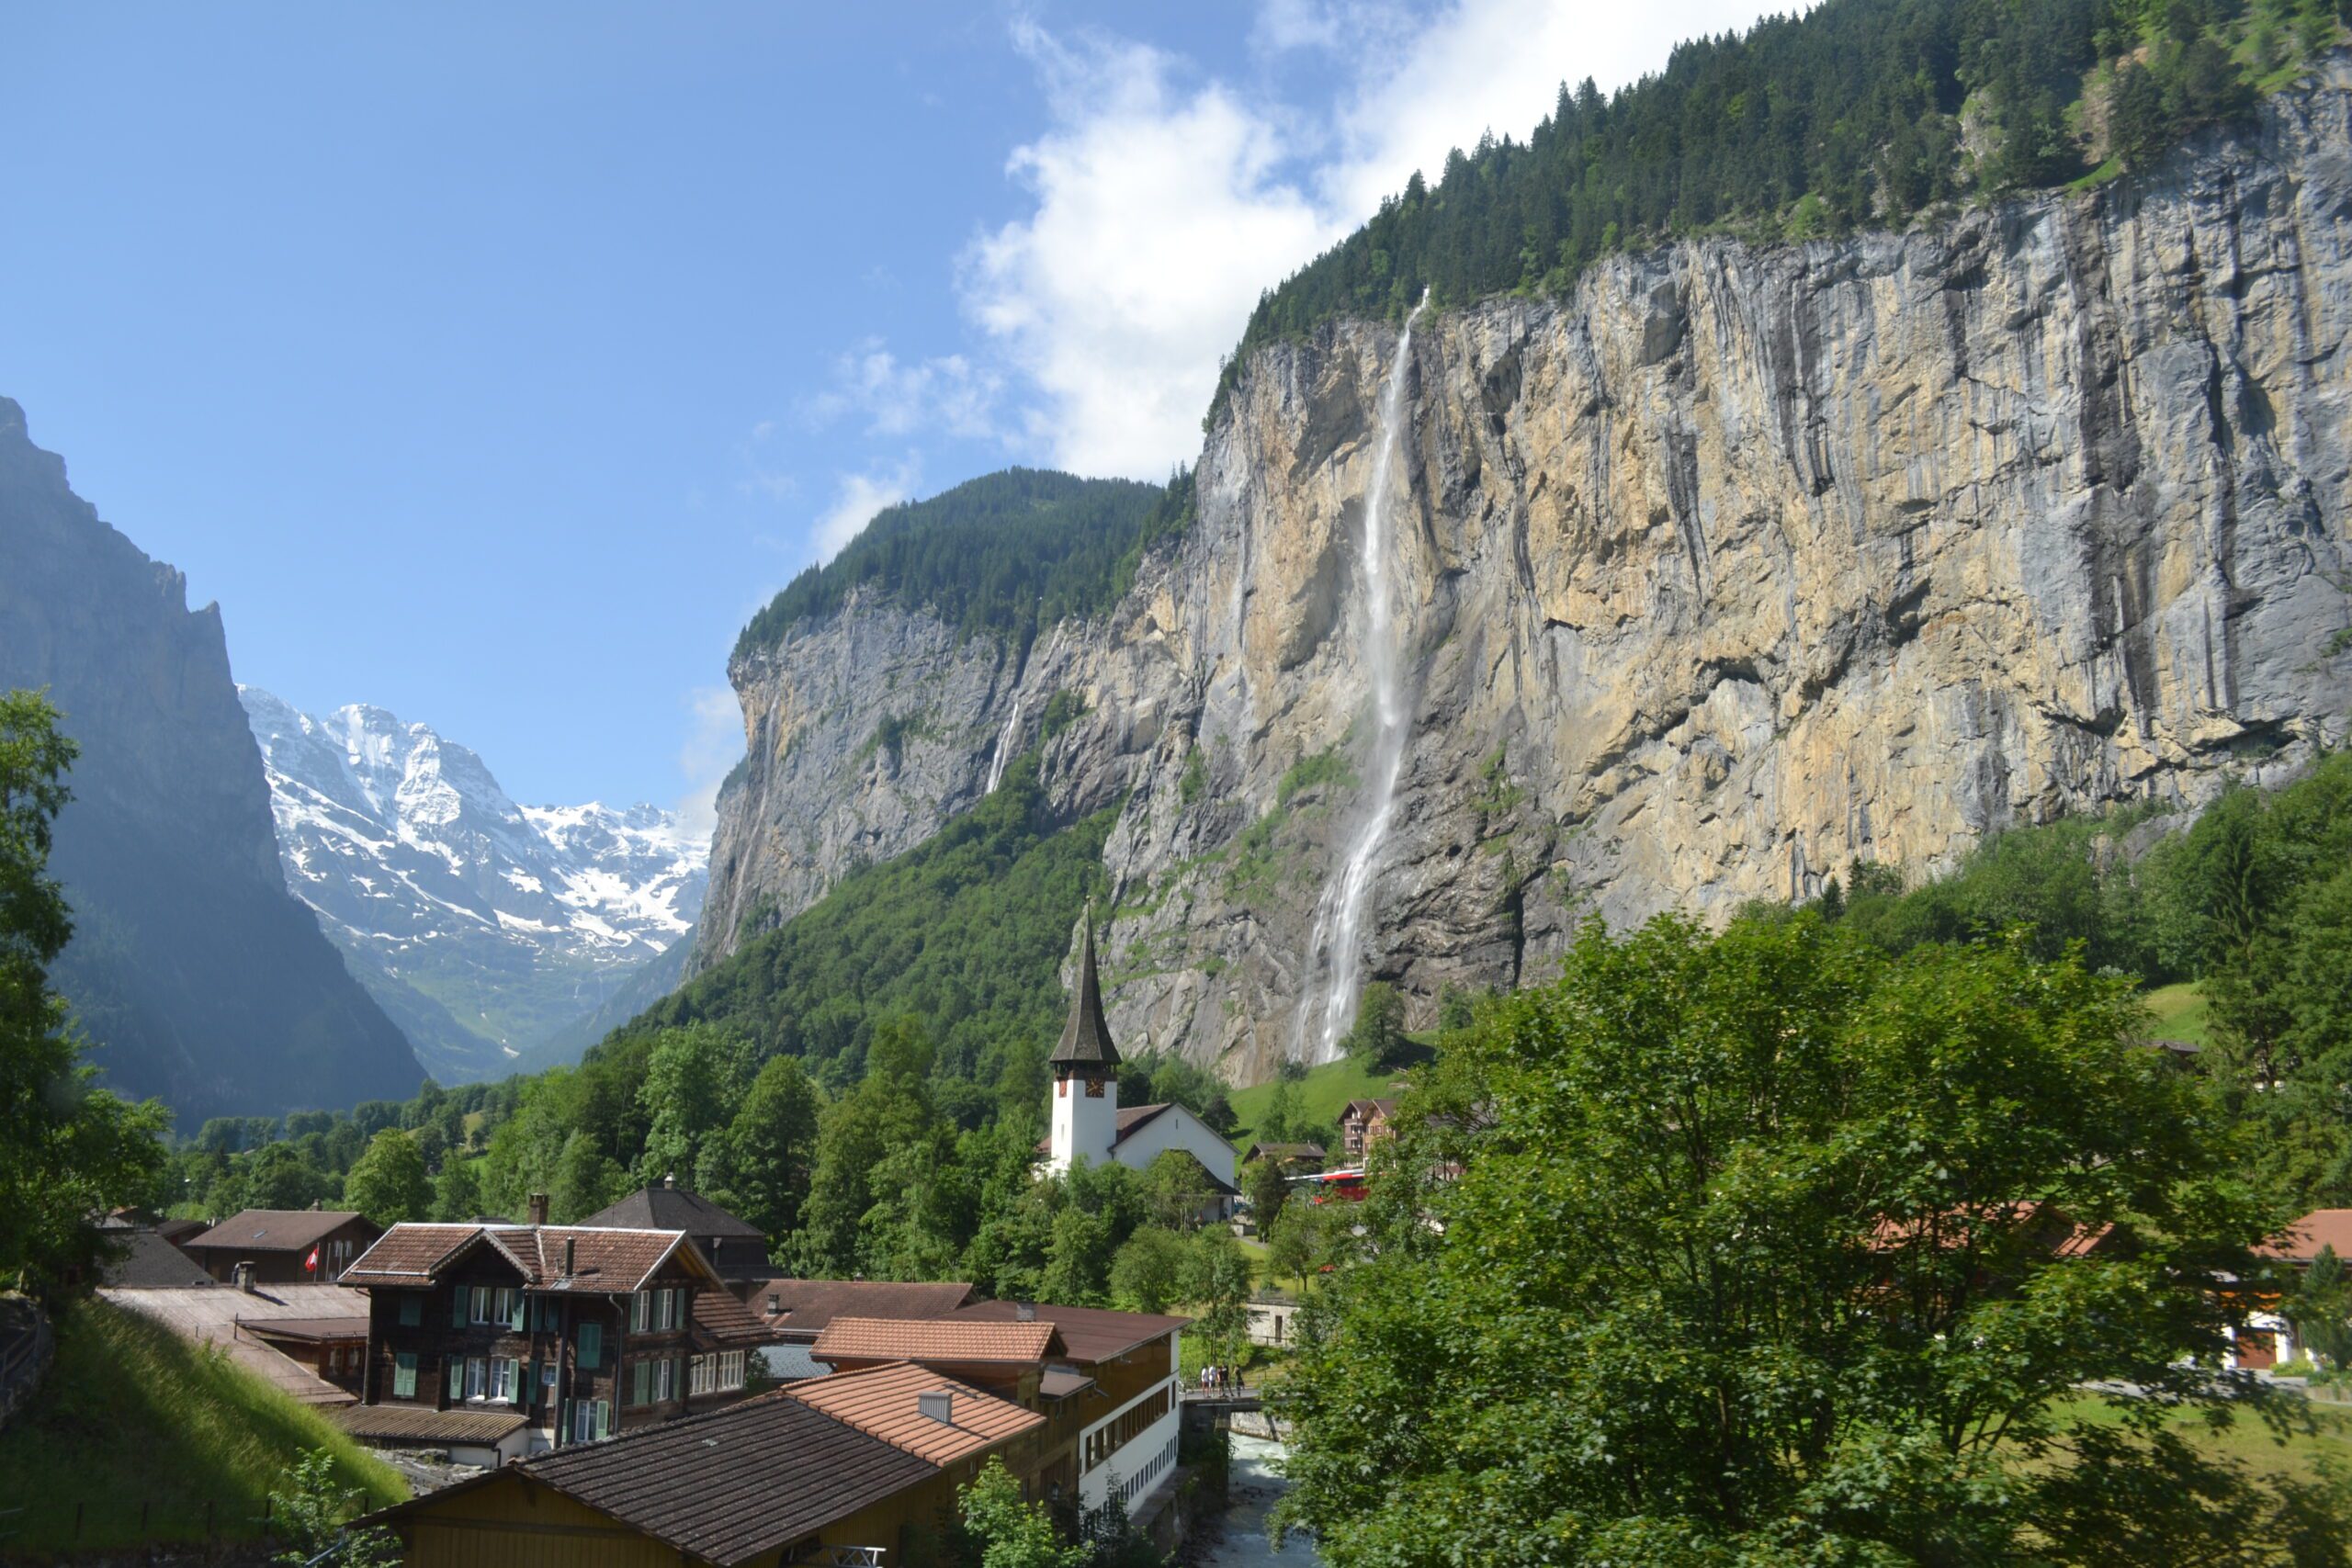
(1331, 1186)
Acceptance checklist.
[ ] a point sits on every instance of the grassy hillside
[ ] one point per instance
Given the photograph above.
(131, 1417)
(1321, 1095)
(2182, 1013)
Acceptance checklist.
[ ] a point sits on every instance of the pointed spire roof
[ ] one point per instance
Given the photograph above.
(1086, 1038)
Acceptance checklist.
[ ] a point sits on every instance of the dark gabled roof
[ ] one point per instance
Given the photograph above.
(1089, 1334)
(725, 1487)
(148, 1262)
(807, 1305)
(1282, 1151)
(276, 1230)
(420, 1424)
(1086, 1038)
(667, 1207)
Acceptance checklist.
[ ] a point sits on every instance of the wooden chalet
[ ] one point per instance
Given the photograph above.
(552, 1334)
(283, 1246)
(1364, 1124)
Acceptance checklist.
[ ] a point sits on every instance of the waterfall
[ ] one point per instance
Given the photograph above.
(1334, 950)
(1004, 740)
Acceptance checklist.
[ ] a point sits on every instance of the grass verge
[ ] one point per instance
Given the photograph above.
(134, 1422)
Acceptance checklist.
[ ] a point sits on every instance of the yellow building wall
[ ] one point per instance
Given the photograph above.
(511, 1523)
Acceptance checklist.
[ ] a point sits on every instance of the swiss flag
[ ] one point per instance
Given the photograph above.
(312, 1262)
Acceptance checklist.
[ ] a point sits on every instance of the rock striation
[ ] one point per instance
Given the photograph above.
(193, 973)
(1734, 567)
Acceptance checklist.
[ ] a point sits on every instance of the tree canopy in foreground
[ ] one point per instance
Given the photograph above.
(1774, 1247)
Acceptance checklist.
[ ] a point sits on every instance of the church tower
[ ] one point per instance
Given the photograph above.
(1086, 1072)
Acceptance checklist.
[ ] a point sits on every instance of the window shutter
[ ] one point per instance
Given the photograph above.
(459, 1309)
(411, 1309)
(514, 1313)
(592, 1345)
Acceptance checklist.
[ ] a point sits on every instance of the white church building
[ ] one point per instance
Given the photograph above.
(1087, 1118)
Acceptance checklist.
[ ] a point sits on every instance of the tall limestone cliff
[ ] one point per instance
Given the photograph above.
(1734, 567)
(192, 970)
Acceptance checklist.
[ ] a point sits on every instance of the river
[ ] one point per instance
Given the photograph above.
(1253, 1486)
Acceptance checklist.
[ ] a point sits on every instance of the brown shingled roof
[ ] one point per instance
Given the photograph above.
(410, 1255)
(810, 1305)
(603, 1259)
(274, 1230)
(884, 1402)
(418, 1424)
(1086, 1038)
(727, 1486)
(1089, 1334)
(723, 1320)
(953, 1340)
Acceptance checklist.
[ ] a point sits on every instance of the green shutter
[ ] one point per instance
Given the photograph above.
(411, 1309)
(515, 1314)
(459, 1317)
(592, 1344)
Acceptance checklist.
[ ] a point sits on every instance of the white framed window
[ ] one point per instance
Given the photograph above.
(502, 1377)
(479, 1311)
(477, 1376)
(670, 1309)
(731, 1369)
(640, 1306)
(665, 1374)
(698, 1375)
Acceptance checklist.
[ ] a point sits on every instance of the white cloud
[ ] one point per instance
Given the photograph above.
(1162, 208)
(855, 502)
(714, 742)
(1158, 213)
(949, 395)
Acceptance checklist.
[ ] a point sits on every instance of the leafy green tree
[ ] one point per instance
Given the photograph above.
(761, 1169)
(456, 1192)
(1078, 1260)
(1147, 1274)
(694, 1079)
(1296, 1246)
(309, 1511)
(1217, 1285)
(1758, 1255)
(1179, 1189)
(71, 1149)
(390, 1185)
(1278, 1123)
(1376, 1038)
(1266, 1183)
(586, 1179)
(281, 1176)
(849, 1218)
(1008, 1532)
(2321, 1310)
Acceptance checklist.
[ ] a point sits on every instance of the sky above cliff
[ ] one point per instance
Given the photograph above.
(493, 363)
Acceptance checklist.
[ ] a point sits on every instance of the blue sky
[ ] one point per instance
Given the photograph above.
(493, 363)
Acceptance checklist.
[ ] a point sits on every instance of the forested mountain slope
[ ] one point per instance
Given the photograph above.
(195, 973)
(1734, 562)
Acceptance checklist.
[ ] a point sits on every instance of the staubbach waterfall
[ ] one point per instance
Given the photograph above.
(1335, 950)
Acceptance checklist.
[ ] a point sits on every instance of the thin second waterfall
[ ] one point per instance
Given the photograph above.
(1335, 949)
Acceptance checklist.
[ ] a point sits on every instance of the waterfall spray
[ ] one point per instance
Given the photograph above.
(1006, 737)
(1334, 951)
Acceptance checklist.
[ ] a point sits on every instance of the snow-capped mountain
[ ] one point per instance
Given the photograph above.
(481, 926)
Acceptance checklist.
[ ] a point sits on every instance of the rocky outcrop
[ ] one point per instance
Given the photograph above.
(1735, 566)
(192, 971)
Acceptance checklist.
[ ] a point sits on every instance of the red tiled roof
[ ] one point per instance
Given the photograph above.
(2302, 1242)
(952, 1341)
(275, 1230)
(1089, 1334)
(810, 1305)
(884, 1402)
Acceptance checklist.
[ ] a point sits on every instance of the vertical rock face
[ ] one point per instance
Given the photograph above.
(1733, 568)
(193, 972)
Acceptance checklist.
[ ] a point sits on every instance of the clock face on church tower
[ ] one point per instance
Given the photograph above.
(1094, 1088)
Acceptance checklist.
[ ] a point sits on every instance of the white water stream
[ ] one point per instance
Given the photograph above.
(1335, 949)
(1253, 1484)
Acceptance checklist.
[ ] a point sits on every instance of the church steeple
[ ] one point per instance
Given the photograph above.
(1086, 1038)
(1085, 1120)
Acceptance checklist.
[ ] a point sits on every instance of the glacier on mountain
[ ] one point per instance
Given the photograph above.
(481, 926)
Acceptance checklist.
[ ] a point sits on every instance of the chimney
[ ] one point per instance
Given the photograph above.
(775, 1304)
(539, 1208)
(569, 1243)
(669, 1180)
(939, 1404)
(242, 1276)
(315, 1204)
(1024, 1311)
